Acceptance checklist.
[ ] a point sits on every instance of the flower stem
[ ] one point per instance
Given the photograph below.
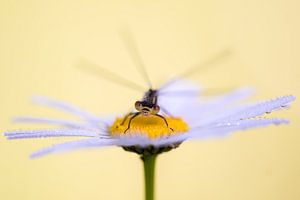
(149, 169)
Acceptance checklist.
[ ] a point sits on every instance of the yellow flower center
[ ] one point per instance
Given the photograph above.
(151, 126)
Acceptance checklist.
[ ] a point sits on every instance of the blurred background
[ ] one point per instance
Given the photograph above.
(41, 42)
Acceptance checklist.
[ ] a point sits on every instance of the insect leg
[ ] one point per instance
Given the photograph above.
(126, 117)
(129, 123)
(158, 115)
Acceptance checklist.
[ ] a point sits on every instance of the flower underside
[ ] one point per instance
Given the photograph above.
(151, 126)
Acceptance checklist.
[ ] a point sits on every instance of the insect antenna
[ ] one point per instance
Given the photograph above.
(200, 67)
(132, 48)
(108, 75)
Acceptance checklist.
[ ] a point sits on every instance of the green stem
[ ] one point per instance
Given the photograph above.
(149, 169)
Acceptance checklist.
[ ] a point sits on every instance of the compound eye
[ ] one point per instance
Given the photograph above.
(156, 109)
(138, 105)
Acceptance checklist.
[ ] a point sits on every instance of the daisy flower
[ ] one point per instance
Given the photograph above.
(161, 121)
(183, 116)
(187, 115)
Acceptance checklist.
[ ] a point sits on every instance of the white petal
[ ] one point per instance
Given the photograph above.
(178, 84)
(226, 99)
(222, 129)
(175, 105)
(78, 144)
(132, 140)
(174, 139)
(193, 113)
(262, 108)
(143, 141)
(51, 133)
(94, 120)
(249, 111)
(61, 122)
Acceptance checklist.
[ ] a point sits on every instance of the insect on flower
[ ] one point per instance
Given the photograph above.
(163, 119)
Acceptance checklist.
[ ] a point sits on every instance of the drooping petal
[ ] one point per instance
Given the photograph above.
(175, 139)
(144, 141)
(222, 129)
(91, 118)
(134, 139)
(78, 144)
(52, 133)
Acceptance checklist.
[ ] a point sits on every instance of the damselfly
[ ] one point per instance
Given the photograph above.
(148, 105)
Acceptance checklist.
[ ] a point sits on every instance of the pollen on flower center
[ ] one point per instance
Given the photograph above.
(151, 126)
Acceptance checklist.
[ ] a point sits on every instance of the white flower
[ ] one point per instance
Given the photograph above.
(192, 117)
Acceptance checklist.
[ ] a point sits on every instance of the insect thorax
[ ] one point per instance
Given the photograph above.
(150, 98)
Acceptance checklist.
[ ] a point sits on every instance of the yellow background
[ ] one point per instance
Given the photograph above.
(40, 41)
